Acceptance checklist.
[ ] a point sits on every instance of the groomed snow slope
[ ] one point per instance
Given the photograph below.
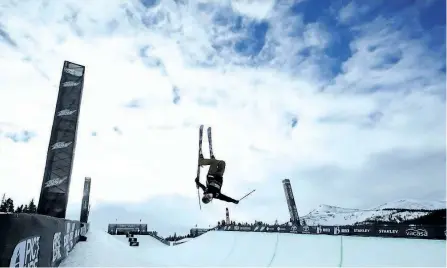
(261, 249)
(146, 241)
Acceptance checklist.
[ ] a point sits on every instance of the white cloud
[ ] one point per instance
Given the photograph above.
(255, 9)
(248, 106)
(350, 12)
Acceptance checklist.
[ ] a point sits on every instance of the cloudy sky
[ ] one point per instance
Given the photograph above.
(347, 99)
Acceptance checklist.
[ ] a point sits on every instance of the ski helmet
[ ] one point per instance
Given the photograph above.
(207, 198)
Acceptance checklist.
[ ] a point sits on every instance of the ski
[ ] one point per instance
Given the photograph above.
(210, 141)
(247, 194)
(198, 162)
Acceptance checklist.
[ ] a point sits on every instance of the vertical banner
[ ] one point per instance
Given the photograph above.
(227, 217)
(291, 201)
(57, 175)
(85, 200)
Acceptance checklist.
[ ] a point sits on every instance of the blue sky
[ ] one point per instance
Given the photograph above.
(345, 98)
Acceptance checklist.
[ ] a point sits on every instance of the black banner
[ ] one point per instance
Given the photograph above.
(37, 240)
(124, 228)
(404, 231)
(57, 175)
(85, 200)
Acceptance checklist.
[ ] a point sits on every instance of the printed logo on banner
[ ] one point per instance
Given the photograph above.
(57, 246)
(326, 230)
(236, 228)
(338, 230)
(54, 182)
(306, 230)
(73, 72)
(60, 145)
(26, 253)
(245, 228)
(279, 229)
(294, 229)
(68, 237)
(362, 230)
(70, 84)
(388, 231)
(416, 232)
(319, 230)
(259, 228)
(66, 112)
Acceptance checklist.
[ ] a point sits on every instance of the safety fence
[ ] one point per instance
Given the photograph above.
(397, 231)
(34, 240)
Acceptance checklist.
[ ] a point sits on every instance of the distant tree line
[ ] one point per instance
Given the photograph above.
(174, 237)
(435, 217)
(7, 205)
(256, 223)
(411, 210)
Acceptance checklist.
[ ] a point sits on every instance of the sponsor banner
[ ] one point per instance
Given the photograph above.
(389, 231)
(270, 229)
(282, 229)
(324, 229)
(342, 230)
(293, 229)
(260, 228)
(245, 228)
(362, 230)
(417, 232)
(32, 240)
(426, 232)
(60, 154)
(115, 228)
(307, 229)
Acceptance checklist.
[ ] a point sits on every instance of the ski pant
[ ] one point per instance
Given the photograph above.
(217, 167)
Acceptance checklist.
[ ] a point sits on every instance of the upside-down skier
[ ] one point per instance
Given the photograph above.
(214, 181)
(214, 178)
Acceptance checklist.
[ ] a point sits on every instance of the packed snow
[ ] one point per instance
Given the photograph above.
(219, 248)
(413, 204)
(332, 215)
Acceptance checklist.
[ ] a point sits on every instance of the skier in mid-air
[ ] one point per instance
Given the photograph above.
(214, 180)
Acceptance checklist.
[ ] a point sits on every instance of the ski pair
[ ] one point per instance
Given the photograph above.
(210, 142)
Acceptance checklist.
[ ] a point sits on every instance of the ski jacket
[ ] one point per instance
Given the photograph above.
(216, 193)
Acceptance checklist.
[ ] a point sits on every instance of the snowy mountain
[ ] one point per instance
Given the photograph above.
(413, 204)
(395, 211)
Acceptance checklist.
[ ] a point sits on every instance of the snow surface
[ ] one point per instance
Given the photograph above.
(414, 204)
(332, 215)
(146, 241)
(219, 248)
